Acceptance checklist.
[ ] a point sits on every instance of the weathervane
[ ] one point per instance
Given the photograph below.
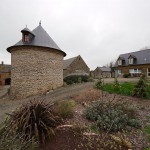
(40, 22)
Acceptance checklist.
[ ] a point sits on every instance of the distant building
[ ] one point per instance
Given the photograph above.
(37, 64)
(5, 73)
(75, 66)
(134, 63)
(101, 72)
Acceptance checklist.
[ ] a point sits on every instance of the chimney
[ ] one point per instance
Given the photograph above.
(2, 63)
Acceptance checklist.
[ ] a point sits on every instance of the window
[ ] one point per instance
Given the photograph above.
(130, 60)
(26, 38)
(135, 71)
(119, 72)
(148, 72)
(119, 62)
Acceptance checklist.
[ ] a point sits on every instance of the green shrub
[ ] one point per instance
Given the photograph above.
(65, 108)
(76, 79)
(111, 116)
(134, 123)
(126, 75)
(94, 128)
(91, 79)
(92, 112)
(141, 88)
(99, 84)
(35, 119)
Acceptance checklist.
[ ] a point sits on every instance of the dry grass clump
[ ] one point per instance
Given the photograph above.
(65, 108)
(88, 96)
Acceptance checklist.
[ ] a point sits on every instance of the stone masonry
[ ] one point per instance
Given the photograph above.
(75, 66)
(35, 70)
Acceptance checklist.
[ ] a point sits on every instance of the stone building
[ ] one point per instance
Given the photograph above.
(101, 72)
(5, 72)
(75, 66)
(37, 64)
(134, 64)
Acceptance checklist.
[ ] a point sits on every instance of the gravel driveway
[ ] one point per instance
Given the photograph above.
(7, 105)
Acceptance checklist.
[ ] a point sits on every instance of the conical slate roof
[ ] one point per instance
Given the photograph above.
(41, 38)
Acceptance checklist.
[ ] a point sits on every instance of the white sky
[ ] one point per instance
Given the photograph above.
(98, 30)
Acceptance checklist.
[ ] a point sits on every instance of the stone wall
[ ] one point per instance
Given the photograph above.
(35, 70)
(77, 67)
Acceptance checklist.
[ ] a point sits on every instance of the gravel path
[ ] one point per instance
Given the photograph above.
(7, 105)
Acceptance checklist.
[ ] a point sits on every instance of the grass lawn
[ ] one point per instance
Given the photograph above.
(124, 89)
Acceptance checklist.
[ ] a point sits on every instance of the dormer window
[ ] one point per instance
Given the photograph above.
(119, 62)
(27, 35)
(130, 61)
(26, 39)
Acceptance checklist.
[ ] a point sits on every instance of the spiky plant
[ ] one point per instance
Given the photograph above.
(10, 140)
(35, 119)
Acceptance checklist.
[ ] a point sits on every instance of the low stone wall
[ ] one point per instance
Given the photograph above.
(35, 70)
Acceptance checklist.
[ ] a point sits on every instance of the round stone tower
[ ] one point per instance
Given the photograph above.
(37, 64)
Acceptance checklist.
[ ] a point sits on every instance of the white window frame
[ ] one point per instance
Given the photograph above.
(130, 61)
(148, 72)
(119, 72)
(119, 62)
(135, 70)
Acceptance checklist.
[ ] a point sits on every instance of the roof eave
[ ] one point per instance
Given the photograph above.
(9, 48)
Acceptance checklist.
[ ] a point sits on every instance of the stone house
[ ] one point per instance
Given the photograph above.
(134, 63)
(101, 72)
(75, 66)
(37, 64)
(5, 73)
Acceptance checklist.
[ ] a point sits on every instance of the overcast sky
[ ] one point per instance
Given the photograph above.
(98, 30)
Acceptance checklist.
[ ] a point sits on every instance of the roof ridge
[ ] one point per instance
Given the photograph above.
(71, 57)
(135, 51)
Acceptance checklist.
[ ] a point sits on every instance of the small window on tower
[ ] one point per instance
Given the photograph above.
(26, 38)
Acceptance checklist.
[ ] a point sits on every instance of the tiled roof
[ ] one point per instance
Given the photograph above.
(67, 62)
(5, 68)
(142, 57)
(105, 69)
